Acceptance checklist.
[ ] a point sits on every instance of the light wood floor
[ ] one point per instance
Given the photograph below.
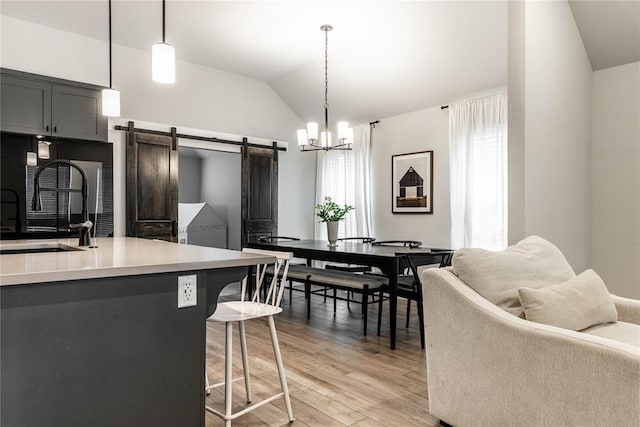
(336, 376)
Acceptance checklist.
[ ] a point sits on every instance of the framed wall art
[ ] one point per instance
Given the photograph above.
(412, 182)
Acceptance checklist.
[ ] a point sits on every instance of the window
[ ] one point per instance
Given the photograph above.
(344, 175)
(478, 155)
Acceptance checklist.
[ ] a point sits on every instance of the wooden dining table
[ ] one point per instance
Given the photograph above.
(386, 258)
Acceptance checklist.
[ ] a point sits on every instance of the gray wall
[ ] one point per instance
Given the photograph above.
(190, 171)
(615, 178)
(220, 180)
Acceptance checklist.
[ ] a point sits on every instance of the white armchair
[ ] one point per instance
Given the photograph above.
(487, 367)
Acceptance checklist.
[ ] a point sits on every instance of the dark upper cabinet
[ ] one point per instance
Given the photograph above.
(47, 106)
(76, 112)
(26, 105)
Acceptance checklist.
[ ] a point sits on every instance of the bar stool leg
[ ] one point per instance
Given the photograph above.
(281, 373)
(228, 379)
(408, 312)
(245, 361)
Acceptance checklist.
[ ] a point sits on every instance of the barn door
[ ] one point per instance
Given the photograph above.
(152, 185)
(259, 192)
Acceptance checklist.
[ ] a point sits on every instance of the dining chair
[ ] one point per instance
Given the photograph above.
(352, 268)
(240, 311)
(409, 283)
(275, 238)
(405, 243)
(297, 272)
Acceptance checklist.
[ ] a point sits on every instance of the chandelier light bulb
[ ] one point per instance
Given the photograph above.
(312, 131)
(343, 130)
(302, 137)
(349, 138)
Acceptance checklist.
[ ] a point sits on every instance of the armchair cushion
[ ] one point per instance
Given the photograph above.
(628, 333)
(532, 263)
(576, 304)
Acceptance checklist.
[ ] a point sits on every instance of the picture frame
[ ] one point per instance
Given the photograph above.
(412, 183)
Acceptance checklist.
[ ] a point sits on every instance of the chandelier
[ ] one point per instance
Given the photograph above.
(308, 138)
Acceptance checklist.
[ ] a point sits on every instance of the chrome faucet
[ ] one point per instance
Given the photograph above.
(85, 225)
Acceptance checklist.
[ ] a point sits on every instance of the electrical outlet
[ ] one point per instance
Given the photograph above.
(187, 291)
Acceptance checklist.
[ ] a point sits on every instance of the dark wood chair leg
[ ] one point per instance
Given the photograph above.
(307, 294)
(408, 312)
(290, 292)
(380, 301)
(365, 306)
(335, 299)
(325, 294)
(421, 323)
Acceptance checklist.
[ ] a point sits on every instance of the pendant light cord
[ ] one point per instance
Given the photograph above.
(326, 84)
(110, 72)
(163, 20)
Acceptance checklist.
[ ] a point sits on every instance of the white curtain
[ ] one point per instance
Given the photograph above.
(345, 176)
(478, 167)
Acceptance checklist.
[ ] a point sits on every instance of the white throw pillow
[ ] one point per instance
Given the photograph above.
(531, 263)
(576, 304)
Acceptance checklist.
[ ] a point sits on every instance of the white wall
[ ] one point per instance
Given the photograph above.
(557, 130)
(616, 178)
(202, 98)
(421, 130)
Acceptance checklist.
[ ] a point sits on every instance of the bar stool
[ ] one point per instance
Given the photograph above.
(238, 312)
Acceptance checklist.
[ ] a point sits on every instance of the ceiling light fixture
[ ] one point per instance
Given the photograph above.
(163, 58)
(308, 138)
(110, 97)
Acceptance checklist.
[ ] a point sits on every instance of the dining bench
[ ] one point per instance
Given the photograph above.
(366, 285)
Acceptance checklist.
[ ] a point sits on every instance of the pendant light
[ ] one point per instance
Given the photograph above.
(308, 138)
(163, 58)
(110, 97)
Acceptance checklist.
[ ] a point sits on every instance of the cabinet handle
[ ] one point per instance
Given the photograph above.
(46, 128)
(55, 128)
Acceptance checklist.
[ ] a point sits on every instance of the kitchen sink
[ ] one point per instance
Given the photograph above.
(36, 248)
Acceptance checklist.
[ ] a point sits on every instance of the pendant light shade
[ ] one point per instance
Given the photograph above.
(110, 97)
(43, 150)
(163, 58)
(163, 63)
(111, 102)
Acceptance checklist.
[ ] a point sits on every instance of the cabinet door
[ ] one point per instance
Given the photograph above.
(26, 106)
(77, 113)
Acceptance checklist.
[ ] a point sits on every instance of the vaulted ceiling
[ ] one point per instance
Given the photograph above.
(385, 57)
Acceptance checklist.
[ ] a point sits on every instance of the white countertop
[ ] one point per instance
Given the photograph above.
(118, 256)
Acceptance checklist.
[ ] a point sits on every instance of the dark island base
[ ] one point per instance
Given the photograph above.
(106, 352)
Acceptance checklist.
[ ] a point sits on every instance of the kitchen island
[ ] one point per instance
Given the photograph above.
(95, 336)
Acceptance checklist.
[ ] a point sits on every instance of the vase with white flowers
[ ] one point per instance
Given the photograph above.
(330, 212)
